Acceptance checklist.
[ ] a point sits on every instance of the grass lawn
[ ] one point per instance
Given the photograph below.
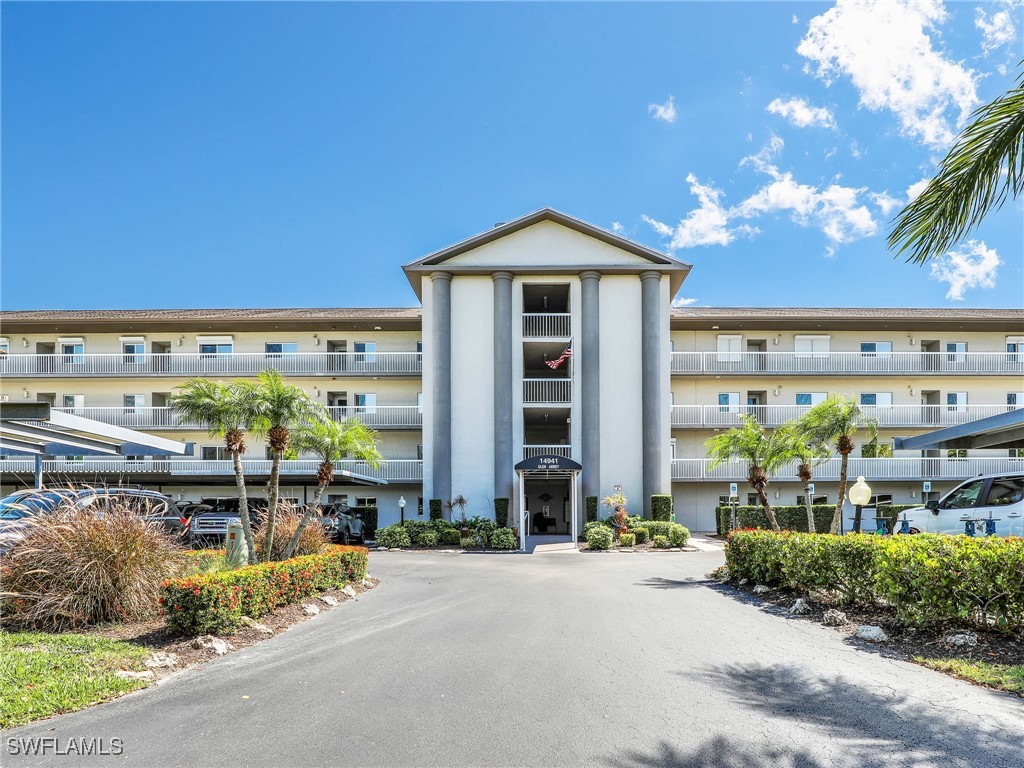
(43, 675)
(1006, 677)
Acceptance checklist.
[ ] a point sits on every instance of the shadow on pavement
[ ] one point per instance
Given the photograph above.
(718, 752)
(659, 582)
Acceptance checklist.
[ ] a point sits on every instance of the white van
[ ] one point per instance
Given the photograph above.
(997, 498)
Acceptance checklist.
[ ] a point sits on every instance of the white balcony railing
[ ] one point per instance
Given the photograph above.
(719, 416)
(393, 470)
(546, 325)
(777, 363)
(913, 468)
(529, 451)
(196, 364)
(163, 417)
(547, 391)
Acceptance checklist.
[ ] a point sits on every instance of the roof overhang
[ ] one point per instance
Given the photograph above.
(895, 320)
(1004, 430)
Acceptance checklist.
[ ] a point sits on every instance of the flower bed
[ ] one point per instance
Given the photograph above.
(216, 602)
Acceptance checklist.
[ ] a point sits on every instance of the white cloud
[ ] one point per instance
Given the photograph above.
(998, 29)
(856, 151)
(666, 111)
(801, 114)
(681, 301)
(973, 266)
(886, 203)
(705, 225)
(916, 189)
(886, 52)
(617, 228)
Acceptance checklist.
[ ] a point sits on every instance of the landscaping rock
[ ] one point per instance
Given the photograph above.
(744, 582)
(961, 639)
(368, 583)
(761, 589)
(382, 549)
(349, 591)
(253, 624)
(311, 610)
(871, 633)
(818, 596)
(834, 618)
(127, 674)
(215, 644)
(800, 607)
(331, 601)
(162, 660)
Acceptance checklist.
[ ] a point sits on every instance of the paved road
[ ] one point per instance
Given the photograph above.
(547, 660)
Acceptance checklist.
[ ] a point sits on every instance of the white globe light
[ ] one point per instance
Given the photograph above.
(860, 493)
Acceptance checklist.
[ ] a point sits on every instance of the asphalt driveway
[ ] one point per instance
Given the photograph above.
(550, 660)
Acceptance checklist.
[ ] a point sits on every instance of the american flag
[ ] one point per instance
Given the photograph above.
(566, 353)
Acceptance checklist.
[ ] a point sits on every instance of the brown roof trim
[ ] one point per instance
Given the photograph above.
(852, 318)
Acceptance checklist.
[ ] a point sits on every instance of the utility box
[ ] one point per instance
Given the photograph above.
(234, 542)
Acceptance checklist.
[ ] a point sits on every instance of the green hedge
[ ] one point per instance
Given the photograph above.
(794, 518)
(627, 539)
(427, 539)
(436, 508)
(369, 519)
(927, 578)
(450, 537)
(661, 507)
(640, 534)
(503, 538)
(599, 537)
(395, 536)
(661, 542)
(501, 512)
(591, 508)
(216, 602)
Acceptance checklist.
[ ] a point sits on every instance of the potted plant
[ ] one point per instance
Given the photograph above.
(617, 503)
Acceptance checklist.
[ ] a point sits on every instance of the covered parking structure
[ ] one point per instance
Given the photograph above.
(1002, 431)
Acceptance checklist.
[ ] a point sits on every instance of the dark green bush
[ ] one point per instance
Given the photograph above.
(678, 535)
(468, 542)
(427, 539)
(661, 507)
(501, 512)
(591, 508)
(640, 534)
(627, 539)
(661, 542)
(599, 537)
(416, 528)
(394, 536)
(503, 538)
(436, 507)
(369, 519)
(590, 525)
(450, 537)
(757, 555)
(794, 518)
(826, 562)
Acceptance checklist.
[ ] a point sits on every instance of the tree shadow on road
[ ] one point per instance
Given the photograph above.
(718, 752)
(659, 582)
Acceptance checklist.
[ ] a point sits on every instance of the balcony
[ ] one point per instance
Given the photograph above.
(847, 363)
(166, 470)
(530, 451)
(718, 417)
(915, 468)
(547, 391)
(158, 417)
(196, 364)
(547, 325)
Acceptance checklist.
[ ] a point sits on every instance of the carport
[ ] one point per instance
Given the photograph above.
(1004, 430)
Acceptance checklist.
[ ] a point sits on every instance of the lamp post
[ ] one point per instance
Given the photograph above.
(401, 508)
(860, 494)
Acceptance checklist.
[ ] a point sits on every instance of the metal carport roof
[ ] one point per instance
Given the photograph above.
(1004, 430)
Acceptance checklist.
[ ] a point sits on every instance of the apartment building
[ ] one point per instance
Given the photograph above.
(474, 393)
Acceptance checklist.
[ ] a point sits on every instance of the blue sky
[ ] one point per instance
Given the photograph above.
(227, 155)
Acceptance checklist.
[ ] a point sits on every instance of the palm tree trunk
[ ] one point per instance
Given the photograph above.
(809, 504)
(293, 542)
(768, 511)
(243, 506)
(837, 518)
(272, 496)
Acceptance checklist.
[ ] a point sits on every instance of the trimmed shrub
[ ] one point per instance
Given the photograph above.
(661, 542)
(591, 509)
(75, 567)
(436, 508)
(757, 555)
(590, 525)
(484, 528)
(215, 602)
(394, 536)
(827, 562)
(501, 512)
(427, 539)
(416, 528)
(794, 518)
(661, 507)
(370, 515)
(640, 534)
(450, 537)
(312, 541)
(468, 542)
(656, 527)
(627, 539)
(503, 538)
(678, 535)
(599, 538)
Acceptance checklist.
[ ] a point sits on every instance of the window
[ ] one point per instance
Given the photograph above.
(752, 500)
(956, 453)
(812, 346)
(131, 402)
(956, 401)
(729, 349)
(74, 401)
(134, 351)
(881, 498)
(419, 351)
(728, 402)
(956, 351)
(210, 349)
(366, 351)
(214, 453)
(366, 501)
(672, 448)
(1005, 490)
(278, 348)
(338, 498)
(809, 398)
(73, 351)
(366, 402)
(876, 451)
(1015, 400)
(419, 451)
(876, 348)
(419, 506)
(1014, 349)
(876, 398)
(800, 500)
(964, 497)
(5, 346)
(419, 402)
(1015, 453)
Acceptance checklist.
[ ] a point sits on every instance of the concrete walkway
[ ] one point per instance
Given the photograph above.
(598, 659)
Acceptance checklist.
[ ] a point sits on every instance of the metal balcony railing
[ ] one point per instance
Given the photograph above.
(722, 416)
(537, 391)
(547, 325)
(197, 364)
(778, 363)
(913, 468)
(529, 451)
(162, 417)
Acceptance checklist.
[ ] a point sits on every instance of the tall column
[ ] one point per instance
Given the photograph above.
(590, 381)
(442, 395)
(503, 455)
(650, 364)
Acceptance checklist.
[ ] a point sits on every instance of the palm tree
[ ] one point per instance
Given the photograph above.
(836, 420)
(763, 452)
(220, 409)
(985, 165)
(331, 441)
(807, 454)
(274, 408)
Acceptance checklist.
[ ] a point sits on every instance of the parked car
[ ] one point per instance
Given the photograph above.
(19, 508)
(209, 524)
(999, 498)
(341, 525)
